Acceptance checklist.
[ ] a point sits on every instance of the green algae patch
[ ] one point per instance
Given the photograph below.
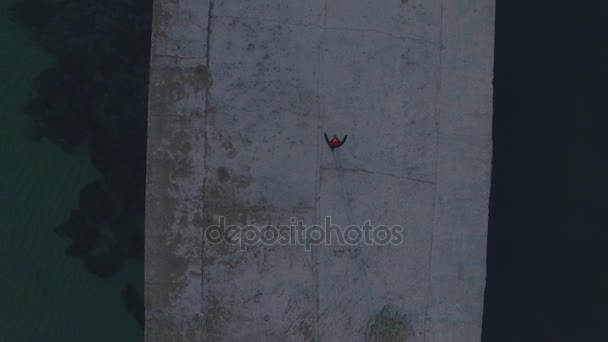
(388, 326)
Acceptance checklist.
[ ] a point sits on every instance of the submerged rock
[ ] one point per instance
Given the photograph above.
(107, 258)
(83, 235)
(95, 202)
(134, 303)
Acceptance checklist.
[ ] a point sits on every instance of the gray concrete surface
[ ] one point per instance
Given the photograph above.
(240, 94)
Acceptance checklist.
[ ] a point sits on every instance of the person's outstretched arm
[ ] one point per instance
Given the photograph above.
(343, 140)
(327, 139)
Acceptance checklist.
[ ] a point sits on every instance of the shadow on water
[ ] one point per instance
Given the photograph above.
(548, 240)
(96, 95)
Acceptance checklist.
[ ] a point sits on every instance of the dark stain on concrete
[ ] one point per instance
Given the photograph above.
(223, 190)
(229, 149)
(208, 261)
(305, 330)
(388, 325)
(171, 268)
(215, 193)
(232, 263)
(242, 181)
(196, 114)
(302, 327)
(183, 168)
(351, 252)
(225, 252)
(240, 85)
(197, 220)
(219, 194)
(223, 174)
(161, 17)
(180, 141)
(183, 221)
(176, 82)
(214, 316)
(202, 77)
(211, 115)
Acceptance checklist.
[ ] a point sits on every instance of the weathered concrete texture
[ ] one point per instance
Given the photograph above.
(179, 79)
(241, 92)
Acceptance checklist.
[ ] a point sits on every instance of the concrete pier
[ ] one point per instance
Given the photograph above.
(241, 92)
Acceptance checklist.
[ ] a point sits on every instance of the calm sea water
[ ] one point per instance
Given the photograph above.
(548, 234)
(46, 295)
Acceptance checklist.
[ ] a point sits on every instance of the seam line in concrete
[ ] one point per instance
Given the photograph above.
(206, 149)
(314, 251)
(437, 96)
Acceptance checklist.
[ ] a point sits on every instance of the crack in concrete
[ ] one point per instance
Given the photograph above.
(437, 94)
(335, 28)
(314, 251)
(418, 180)
(206, 150)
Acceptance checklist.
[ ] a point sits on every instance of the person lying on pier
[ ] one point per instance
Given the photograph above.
(334, 142)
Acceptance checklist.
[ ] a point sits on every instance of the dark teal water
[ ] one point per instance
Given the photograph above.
(548, 233)
(82, 281)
